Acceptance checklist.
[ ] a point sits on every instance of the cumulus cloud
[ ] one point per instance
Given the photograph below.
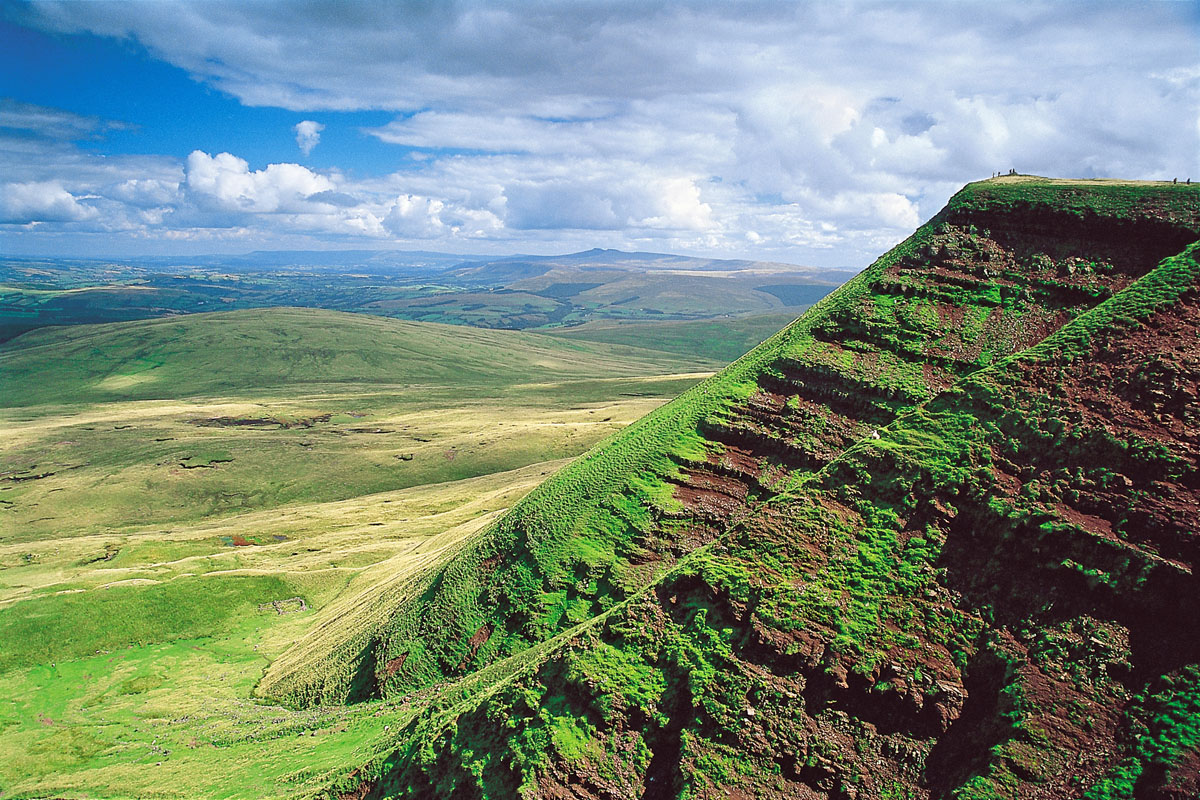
(308, 135)
(804, 131)
(144, 192)
(46, 201)
(225, 182)
(414, 217)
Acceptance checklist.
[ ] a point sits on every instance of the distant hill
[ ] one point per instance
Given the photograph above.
(512, 292)
(937, 538)
(724, 339)
(264, 350)
(647, 262)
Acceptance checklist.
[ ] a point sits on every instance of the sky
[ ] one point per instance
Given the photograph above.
(809, 133)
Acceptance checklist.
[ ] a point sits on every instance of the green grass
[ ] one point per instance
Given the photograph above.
(257, 352)
(172, 421)
(1112, 199)
(64, 627)
(136, 581)
(718, 340)
(171, 720)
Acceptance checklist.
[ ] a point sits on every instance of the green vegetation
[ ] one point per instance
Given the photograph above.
(933, 539)
(143, 423)
(163, 539)
(1166, 727)
(51, 628)
(509, 293)
(890, 500)
(719, 340)
(1114, 200)
(258, 352)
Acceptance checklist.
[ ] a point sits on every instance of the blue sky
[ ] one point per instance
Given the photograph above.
(810, 133)
(166, 111)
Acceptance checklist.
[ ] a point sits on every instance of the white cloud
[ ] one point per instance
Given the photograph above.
(225, 182)
(51, 123)
(800, 131)
(872, 210)
(144, 192)
(40, 201)
(414, 217)
(308, 135)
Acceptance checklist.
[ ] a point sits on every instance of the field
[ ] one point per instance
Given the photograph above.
(180, 499)
(513, 293)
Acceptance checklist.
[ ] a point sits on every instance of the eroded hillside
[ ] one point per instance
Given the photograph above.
(936, 538)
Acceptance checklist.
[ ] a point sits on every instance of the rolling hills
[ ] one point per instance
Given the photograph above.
(157, 421)
(247, 352)
(515, 293)
(936, 538)
(180, 499)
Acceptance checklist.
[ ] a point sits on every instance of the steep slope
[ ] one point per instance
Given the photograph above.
(910, 621)
(876, 557)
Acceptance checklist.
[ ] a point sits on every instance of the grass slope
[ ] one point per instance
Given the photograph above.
(772, 532)
(244, 353)
(720, 340)
(165, 421)
(161, 541)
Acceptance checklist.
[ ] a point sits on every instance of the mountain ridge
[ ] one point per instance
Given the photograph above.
(627, 575)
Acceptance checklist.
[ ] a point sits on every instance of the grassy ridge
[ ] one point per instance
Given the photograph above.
(855, 557)
(1120, 202)
(560, 529)
(243, 353)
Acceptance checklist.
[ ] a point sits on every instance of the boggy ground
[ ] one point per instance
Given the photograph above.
(923, 543)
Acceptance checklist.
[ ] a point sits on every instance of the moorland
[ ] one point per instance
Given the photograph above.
(936, 538)
(180, 496)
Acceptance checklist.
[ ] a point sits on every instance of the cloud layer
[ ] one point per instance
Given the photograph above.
(807, 132)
